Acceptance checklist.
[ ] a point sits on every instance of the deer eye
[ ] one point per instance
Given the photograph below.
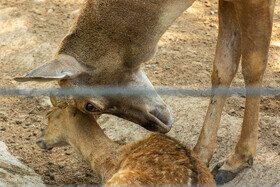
(90, 107)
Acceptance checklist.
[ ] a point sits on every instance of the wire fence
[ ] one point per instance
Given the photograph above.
(139, 91)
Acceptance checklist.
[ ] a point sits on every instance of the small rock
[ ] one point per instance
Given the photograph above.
(232, 111)
(50, 10)
(212, 12)
(67, 153)
(18, 122)
(5, 118)
(167, 68)
(52, 177)
(88, 175)
(74, 13)
(274, 144)
(3, 129)
(219, 139)
(47, 173)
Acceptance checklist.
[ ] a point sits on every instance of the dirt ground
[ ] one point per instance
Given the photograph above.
(30, 31)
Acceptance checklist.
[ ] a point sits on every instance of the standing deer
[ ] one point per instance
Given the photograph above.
(111, 38)
(155, 160)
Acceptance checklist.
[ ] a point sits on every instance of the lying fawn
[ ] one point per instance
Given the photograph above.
(155, 160)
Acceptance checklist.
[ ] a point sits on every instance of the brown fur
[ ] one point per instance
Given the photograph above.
(155, 160)
(130, 29)
(111, 38)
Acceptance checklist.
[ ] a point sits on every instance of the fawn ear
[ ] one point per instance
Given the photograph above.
(53, 100)
(62, 67)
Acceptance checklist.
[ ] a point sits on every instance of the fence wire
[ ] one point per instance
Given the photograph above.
(139, 91)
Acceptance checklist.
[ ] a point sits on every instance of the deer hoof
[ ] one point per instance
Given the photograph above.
(223, 176)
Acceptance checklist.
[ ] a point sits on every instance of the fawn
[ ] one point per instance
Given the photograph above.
(155, 160)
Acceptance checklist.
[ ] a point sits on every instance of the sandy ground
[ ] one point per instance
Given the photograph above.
(30, 31)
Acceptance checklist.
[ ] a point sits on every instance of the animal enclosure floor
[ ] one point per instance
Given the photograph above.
(30, 31)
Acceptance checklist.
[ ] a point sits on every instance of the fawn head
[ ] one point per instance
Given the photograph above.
(63, 122)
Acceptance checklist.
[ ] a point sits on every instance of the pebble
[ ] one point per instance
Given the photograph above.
(68, 153)
(50, 11)
(5, 118)
(18, 122)
(274, 144)
(74, 13)
(88, 175)
(3, 129)
(52, 177)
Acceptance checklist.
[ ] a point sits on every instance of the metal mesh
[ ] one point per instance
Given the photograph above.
(125, 91)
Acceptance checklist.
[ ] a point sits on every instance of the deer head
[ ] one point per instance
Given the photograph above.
(105, 47)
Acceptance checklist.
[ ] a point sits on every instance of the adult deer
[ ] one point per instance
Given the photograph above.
(111, 38)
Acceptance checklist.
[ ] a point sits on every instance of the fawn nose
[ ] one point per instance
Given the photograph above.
(42, 144)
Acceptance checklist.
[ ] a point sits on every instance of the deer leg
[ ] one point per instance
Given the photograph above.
(255, 18)
(225, 65)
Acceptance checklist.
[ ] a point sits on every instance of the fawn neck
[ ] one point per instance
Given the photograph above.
(95, 147)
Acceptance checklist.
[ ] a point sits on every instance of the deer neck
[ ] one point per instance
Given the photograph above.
(127, 30)
(96, 148)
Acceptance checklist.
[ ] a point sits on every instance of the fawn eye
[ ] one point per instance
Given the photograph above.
(89, 107)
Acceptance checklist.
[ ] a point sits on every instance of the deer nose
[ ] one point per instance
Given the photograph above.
(42, 144)
(164, 119)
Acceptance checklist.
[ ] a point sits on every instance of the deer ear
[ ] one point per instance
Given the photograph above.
(62, 67)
